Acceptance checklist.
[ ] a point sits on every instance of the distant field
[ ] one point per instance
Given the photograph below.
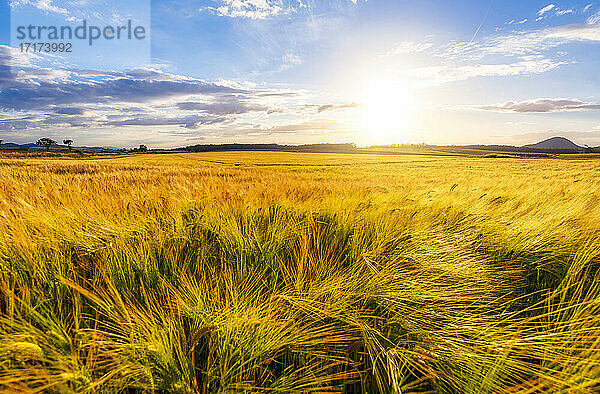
(287, 272)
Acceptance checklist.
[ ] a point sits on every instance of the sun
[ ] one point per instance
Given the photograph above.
(386, 115)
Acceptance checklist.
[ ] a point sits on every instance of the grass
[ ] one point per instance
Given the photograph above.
(278, 272)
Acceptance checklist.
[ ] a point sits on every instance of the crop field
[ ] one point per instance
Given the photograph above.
(286, 272)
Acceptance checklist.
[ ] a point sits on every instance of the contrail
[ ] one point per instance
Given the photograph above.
(482, 23)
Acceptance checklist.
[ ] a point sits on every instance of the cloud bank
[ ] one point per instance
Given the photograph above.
(42, 98)
(542, 106)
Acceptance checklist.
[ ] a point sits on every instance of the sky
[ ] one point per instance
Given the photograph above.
(302, 71)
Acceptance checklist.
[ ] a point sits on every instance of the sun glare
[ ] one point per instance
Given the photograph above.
(386, 113)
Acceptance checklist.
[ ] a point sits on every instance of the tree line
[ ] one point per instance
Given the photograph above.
(47, 143)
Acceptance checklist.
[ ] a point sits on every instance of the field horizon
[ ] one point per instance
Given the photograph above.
(299, 196)
(298, 272)
(554, 145)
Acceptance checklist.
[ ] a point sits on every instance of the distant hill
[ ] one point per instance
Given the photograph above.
(12, 146)
(556, 143)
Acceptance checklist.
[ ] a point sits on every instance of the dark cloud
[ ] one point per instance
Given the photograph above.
(53, 120)
(310, 127)
(35, 97)
(5, 75)
(26, 86)
(333, 107)
(32, 95)
(69, 111)
(39, 121)
(13, 124)
(85, 98)
(542, 105)
(329, 107)
(226, 107)
(277, 94)
(189, 122)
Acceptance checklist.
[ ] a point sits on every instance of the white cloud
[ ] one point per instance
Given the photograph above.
(251, 9)
(407, 47)
(438, 75)
(589, 32)
(587, 7)
(594, 19)
(256, 9)
(290, 60)
(547, 8)
(518, 53)
(14, 57)
(523, 43)
(515, 22)
(564, 12)
(44, 5)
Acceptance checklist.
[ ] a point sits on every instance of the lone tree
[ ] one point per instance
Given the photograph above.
(143, 148)
(68, 143)
(46, 143)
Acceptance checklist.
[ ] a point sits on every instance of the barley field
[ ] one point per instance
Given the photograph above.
(282, 272)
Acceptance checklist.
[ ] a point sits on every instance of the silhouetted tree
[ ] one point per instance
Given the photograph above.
(68, 143)
(143, 148)
(46, 143)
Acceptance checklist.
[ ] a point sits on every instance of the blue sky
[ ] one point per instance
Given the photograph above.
(306, 71)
